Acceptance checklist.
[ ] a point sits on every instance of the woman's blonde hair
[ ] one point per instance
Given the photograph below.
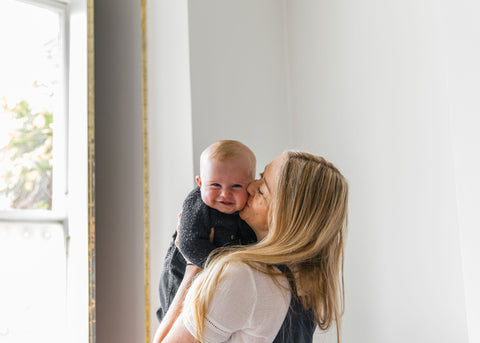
(307, 228)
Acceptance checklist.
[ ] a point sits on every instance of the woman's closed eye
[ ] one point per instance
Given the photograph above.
(259, 186)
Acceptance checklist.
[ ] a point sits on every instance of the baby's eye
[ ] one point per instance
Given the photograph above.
(216, 185)
(237, 186)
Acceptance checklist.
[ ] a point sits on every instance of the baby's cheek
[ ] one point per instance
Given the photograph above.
(242, 199)
(207, 197)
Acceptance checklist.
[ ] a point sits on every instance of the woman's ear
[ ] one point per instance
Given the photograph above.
(199, 180)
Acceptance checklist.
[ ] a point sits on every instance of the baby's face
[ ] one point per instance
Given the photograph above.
(223, 185)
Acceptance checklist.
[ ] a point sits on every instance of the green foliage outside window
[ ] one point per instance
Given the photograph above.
(27, 181)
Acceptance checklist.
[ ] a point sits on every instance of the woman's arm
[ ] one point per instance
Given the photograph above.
(177, 305)
(179, 333)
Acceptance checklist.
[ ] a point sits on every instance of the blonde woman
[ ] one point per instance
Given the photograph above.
(298, 210)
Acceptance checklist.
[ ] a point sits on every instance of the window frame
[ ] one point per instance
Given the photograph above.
(70, 195)
(58, 212)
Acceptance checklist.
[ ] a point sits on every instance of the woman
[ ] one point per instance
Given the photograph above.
(298, 210)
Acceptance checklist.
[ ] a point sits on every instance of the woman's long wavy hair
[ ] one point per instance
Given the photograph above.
(307, 228)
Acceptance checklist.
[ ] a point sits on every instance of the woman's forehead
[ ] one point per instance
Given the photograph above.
(271, 172)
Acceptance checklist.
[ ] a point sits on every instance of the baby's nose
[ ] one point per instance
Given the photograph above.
(226, 193)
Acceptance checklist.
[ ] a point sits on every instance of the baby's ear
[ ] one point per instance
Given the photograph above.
(199, 180)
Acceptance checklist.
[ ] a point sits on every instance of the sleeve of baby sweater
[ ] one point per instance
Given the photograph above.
(193, 233)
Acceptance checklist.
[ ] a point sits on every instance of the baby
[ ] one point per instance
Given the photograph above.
(210, 213)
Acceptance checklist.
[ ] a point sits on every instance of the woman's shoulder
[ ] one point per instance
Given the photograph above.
(254, 276)
(266, 296)
(237, 270)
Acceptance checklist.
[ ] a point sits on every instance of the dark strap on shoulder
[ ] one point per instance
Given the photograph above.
(299, 324)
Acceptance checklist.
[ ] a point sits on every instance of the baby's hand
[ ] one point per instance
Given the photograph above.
(212, 234)
(178, 220)
(178, 227)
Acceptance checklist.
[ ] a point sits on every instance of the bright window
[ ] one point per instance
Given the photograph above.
(33, 164)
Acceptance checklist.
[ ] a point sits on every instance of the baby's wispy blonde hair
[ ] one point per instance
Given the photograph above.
(228, 150)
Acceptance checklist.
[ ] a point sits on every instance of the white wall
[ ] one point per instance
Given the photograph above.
(370, 87)
(371, 93)
(238, 76)
(170, 129)
(461, 50)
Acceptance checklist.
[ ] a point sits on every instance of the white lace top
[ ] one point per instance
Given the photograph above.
(247, 306)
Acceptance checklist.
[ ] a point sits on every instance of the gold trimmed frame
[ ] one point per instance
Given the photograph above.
(91, 170)
(146, 194)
